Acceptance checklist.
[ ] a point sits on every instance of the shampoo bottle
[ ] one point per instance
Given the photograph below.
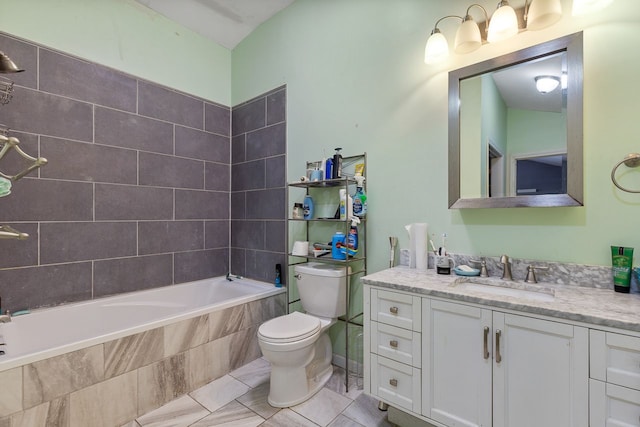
(359, 198)
(328, 169)
(337, 164)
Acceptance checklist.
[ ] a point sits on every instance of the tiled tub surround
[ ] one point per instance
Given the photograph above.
(114, 381)
(136, 194)
(136, 191)
(258, 186)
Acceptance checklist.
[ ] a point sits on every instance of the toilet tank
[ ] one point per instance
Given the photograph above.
(322, 289)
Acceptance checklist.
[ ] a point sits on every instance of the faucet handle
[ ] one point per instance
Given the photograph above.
(531, 275)
(483, 266)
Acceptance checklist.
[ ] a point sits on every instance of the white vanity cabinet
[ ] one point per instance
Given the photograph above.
(485, 367)
(614, 386)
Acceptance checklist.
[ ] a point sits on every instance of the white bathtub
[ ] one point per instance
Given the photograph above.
(53, 331)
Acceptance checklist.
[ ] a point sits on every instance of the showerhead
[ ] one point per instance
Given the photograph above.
(7, 66)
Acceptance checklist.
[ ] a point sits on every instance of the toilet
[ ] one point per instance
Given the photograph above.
(296, 344)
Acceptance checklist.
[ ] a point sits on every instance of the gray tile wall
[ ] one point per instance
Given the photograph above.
(258, 186)
(136, 192)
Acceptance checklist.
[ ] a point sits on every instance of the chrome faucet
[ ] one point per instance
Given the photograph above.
(506, 268)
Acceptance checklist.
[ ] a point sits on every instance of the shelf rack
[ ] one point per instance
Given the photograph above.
(356, 266)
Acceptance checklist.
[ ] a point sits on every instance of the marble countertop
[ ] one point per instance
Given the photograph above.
(576, 303)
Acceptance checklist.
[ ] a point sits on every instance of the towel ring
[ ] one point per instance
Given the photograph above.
(631, 160)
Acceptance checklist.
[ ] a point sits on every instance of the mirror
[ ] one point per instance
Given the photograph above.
(512, 144)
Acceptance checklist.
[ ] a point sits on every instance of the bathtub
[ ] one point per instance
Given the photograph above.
(50, 332)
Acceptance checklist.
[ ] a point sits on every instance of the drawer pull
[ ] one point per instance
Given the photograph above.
(485, 352)
(393, 310)
(393, 382)
(393, 344)
(498, 355)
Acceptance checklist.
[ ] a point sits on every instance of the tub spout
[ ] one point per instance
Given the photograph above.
(5, 318)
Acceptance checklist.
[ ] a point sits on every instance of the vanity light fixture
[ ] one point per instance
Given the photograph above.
(504, 23)
(468, 36)
(437, 48)
(546, 84)
(538, 14)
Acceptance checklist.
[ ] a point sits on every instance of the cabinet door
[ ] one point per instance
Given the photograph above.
(456, 368)
(540, 373)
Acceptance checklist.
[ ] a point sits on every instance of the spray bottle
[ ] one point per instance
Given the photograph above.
(359, 198)
(350, 246)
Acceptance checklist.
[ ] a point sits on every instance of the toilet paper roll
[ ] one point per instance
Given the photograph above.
(421, 238)
(418, 245)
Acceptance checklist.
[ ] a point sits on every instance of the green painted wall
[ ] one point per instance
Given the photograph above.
(127, 36)
(355, 79)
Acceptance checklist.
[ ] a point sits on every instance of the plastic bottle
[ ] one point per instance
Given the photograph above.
(336, 245)
(278, 281)
(328, 169)
(359, 198)
(307, 207)
(350, 246)
(337, 164)
(346, 206)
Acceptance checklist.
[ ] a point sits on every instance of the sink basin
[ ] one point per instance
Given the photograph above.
(504, 288)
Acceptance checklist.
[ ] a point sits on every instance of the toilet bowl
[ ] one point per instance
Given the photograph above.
(296, 344)
(301, 363)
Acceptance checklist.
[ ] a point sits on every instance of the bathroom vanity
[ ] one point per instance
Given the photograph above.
(461, 351)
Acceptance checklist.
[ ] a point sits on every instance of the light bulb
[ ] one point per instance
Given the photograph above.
(504, 23)
(437, 48)
(468, 36)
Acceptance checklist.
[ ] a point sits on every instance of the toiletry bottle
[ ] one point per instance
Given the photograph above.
(328, 169)
(350, 246)
(336, 245)
(278, 281)
(337, 164)
(346, 205)
(307, 207)
(359, 198)
(298, 211)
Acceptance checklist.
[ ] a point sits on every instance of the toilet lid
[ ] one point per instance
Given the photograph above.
(291, 327)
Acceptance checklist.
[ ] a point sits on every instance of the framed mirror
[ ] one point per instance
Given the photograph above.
(514, 142)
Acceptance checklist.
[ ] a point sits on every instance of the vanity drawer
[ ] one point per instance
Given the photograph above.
(396, 309)
(612, 405)
(396, 343)
(615, 358)
(396, 383)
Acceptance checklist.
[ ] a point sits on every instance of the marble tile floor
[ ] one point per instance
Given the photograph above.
(239, 399)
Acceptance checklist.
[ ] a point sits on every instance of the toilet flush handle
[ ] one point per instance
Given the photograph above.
(298, 276)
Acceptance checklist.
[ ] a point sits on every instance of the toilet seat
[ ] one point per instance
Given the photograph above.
(291, 327)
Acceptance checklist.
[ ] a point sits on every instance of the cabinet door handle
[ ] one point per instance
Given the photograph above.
(393, 310)
(393, 344)
(498, 355)
(393, 382)
(485, 352)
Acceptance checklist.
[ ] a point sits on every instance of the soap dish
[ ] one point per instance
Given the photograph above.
(473, 272)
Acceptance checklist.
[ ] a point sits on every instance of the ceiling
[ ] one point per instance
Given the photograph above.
(517, 84)
(227, 22)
